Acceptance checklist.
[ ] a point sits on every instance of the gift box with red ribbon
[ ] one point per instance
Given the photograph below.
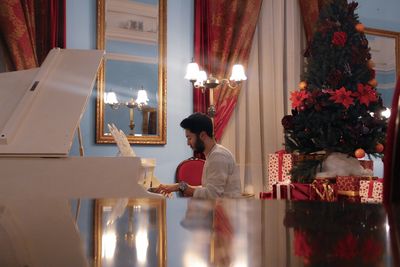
(320, 189)
(371, 191)
(282, 190)
(349, 187)
(279, 166)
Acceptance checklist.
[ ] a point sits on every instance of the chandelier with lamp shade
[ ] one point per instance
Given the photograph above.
(199, 79)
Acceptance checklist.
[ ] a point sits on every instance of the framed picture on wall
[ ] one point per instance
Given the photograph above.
(386, 56)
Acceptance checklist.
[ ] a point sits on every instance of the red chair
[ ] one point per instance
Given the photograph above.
(190, 171)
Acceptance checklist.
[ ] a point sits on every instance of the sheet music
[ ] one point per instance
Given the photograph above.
(122, 142)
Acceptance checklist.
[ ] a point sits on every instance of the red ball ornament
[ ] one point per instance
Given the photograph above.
(379, 148)
(359, 153)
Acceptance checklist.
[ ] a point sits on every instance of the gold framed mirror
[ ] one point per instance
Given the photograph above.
(131, 84)
(134, 237)
(385, 52)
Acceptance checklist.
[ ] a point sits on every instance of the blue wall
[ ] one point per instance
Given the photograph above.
(81, 34)
(382, 14)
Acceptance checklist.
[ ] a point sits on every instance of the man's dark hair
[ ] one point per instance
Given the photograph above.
(198, 122)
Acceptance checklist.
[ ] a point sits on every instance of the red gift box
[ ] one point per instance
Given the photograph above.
(279, 167)
(371, 191)
(282, 190)
(322, 190)
(265, 195)
(302, 192)
(349, 187)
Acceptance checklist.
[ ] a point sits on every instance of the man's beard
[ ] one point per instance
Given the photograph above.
(199, 146)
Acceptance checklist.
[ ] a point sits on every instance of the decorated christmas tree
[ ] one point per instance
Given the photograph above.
(337, 107)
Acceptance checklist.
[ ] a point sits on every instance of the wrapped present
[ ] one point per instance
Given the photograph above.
(325, 189)
(279, 166)
(349, 187)
(371, 191)
(367, 164)
(282, 190)
(301, 191)
(321, 190)
(265, 195)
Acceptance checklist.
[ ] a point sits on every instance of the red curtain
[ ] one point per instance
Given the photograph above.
(17, 31)
(310, 13)
(391, 182)
(201, 48)
(50, 26)
(224, 32)
(30, 29)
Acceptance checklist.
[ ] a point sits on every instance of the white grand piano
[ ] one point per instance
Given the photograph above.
(40, 111)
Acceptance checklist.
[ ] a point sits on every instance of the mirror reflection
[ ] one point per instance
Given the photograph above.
(129, 232)
(131, 83)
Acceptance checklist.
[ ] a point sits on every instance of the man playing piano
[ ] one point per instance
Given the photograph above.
(220, 174)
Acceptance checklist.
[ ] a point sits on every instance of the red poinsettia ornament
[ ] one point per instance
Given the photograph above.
(365, 94)
(342, 96)
(339, 38)
(297, 98)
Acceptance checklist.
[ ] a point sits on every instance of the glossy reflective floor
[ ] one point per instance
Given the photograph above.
(240, 233)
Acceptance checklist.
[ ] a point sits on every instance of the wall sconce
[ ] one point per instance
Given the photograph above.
(139, 103)
(199, 79)
(110, 98)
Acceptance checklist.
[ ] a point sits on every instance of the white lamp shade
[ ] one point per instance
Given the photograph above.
(192, 71)
(238, 73)
(110, 98)
(142, 97)
(201, 77)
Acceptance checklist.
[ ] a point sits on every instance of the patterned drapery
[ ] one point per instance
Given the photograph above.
(17, 22)
(30, 29)
(310, 13)
(201, 48)
(224, 32)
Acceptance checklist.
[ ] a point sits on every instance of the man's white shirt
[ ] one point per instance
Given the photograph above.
(220, 175)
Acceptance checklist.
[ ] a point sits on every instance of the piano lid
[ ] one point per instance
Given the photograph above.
(41, 108)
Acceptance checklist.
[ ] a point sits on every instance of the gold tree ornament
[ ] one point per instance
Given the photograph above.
(302, 85)
(371, 64)
(373, 82)
(359, 153)
(360, 27)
